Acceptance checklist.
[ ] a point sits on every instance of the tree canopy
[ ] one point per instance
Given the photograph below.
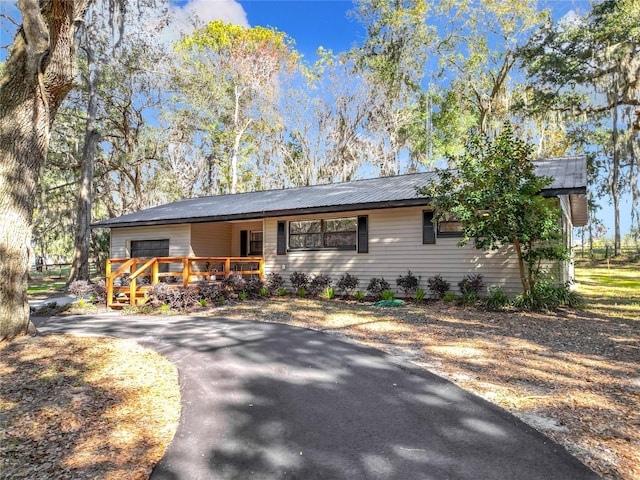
(494, 193)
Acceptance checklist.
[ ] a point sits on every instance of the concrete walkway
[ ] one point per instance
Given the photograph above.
(272, 402)
(60, 301)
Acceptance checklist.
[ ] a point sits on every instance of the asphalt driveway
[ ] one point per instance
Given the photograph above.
(273, 402)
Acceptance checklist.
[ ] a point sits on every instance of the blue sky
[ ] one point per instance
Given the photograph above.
(314, 23)
(311, 23)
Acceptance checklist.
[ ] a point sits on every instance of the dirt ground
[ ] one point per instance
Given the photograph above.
(84, 408)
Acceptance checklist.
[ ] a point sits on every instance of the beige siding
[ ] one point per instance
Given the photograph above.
(395, 246)
(178, 235)
(211, 239)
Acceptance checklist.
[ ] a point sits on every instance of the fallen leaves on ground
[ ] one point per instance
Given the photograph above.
(573, 375)
(84, 408)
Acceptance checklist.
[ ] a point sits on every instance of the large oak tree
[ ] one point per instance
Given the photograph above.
(38, 74)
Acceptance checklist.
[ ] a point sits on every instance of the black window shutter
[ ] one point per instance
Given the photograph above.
(244, 241)
(363, 234)
(428, 228)
(282, 239)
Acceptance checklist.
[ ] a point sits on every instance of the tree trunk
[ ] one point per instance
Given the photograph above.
(615, 178)
(526, 287)
(37, 77)
(80, 263)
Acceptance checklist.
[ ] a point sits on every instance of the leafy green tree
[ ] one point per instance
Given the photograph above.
(229, 75)
(392, 60)
(495, 193)
(589, 68)
(477, 48)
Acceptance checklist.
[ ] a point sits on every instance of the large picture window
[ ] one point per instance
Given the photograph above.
(338, 233)
(149, 248)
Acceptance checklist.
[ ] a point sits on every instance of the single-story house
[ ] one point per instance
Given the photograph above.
(376, 227)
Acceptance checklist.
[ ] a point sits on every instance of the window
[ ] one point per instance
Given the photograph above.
(255, 243)
(449, 228)
(428, 228)
(149, 248)
(339, 233)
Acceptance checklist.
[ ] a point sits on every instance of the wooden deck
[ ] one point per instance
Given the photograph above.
(128, 279)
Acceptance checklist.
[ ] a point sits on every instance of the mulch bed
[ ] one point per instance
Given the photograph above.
(84, 408)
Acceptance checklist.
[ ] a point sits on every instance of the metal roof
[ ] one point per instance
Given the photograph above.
(569, 174)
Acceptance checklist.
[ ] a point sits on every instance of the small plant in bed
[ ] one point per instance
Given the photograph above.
(377, 286)
(471, 284)
(408, 283)
(274, 282)
(347, 283)
(329, 293)
(299, 280)
(497, 299)
(319, 284)
(438, 286)
(387, 295)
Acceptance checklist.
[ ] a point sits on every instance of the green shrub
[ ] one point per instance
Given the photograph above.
(359, 296)
(243, 295)
(420, 294)
(387, 295)
(497, 299)
(329, 293)
(281, 292)
(548, 296)
(408, 283)
(302, 292)
(449, 297)
(264, 292)
(202, 302)
(469, 298)
(438, 286)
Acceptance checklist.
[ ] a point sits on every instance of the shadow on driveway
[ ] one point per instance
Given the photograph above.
(270, 401)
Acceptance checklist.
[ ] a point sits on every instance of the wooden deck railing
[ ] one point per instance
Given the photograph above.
(128, 283)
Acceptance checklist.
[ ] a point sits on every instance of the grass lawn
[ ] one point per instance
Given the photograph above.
(611, 288)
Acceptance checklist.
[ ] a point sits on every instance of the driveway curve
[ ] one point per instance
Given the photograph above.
(272, 402)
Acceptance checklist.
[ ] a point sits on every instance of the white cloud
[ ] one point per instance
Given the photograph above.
(199, 12)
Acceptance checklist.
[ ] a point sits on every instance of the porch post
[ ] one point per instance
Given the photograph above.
(185, 271)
